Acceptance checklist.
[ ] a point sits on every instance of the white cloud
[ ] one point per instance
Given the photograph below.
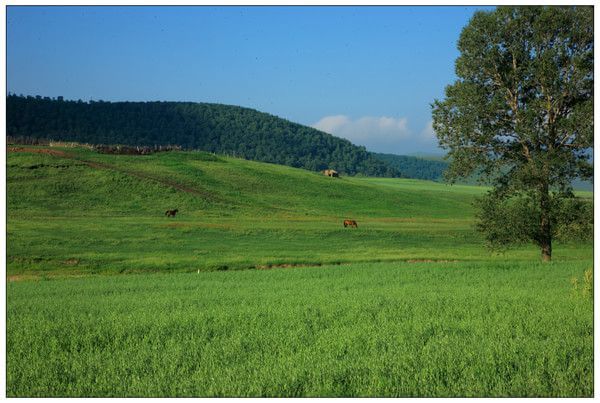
(381, 133)
(370, 131)
(331, 124)
(428, 134)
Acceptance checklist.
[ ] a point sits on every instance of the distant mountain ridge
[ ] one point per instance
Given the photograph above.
(223, 129)
(432, 167)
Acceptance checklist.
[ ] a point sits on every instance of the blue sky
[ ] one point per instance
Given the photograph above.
(367, 74)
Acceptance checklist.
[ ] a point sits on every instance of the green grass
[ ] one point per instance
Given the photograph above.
(408, 304)
(452, 329)
(66, 217)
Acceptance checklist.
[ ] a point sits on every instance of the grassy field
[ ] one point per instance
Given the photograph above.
(408, 304)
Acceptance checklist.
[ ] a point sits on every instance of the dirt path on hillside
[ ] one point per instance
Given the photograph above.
(102, 165)
(56, 153)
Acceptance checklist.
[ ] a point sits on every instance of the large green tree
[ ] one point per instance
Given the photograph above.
(521, 116)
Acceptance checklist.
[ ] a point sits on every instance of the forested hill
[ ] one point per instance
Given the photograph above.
(415, 167)
(222, 129)
(431, 169)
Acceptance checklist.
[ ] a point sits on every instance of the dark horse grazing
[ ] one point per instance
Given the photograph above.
(351, 223)
(171, 213)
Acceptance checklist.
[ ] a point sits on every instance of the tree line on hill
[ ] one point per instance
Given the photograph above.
(222, 129)
(414, 167)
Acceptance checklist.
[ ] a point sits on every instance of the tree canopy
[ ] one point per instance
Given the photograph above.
(415, 167)
(521, 115)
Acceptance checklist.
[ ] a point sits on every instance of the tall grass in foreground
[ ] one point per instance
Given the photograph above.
(453, 329)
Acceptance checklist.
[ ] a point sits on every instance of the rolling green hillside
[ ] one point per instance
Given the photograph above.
(77, 211)
(223, 129)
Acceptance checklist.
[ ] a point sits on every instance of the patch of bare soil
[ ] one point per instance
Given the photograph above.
(48, 151)
(430, 261)
(288, 265)
(176, 225)
(46, 276)
(21, 277)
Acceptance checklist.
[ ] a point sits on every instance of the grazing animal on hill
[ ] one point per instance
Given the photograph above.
(171, 213)
(351, 223)
(331, 172)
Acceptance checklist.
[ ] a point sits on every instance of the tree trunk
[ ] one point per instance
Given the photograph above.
(545, 227)
(547, 250)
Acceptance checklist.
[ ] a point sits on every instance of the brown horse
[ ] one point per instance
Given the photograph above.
(351, 223)
(171, 213)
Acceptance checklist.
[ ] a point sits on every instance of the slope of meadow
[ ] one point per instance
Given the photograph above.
(76, 211)
(408, 304)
